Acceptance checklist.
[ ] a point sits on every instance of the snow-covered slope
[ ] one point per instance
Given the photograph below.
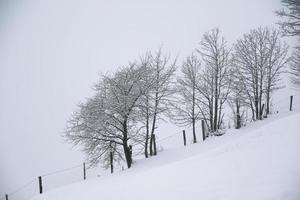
(261, 161)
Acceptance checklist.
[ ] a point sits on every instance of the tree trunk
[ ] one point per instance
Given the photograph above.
(151, 145)
(260, 103)
(256, 107)
(154, 145)
(268, 101)
(127, 151)
(152, 141)
(193, 118)
(211, 116)
(194, 131)
(216, 107)
(238, 117)
(203, 130)
(256, 95)
(220, 115)
(111, 162)
(128, 154)
(146, 141)
(260, 95)
(147, 128)
(262, 110)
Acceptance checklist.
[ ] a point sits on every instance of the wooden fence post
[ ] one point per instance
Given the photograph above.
(40, 185)
(291, 103)
(111, 163)
(203, 130)
(84, 171)
(184, 137)
(6, 197)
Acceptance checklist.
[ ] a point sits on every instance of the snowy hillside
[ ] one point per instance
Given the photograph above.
(260, 161)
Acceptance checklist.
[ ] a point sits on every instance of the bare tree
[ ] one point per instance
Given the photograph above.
(237, 98)
(295, 68)
(260, 57)
(184, 108)
(214, 85)
(277, 60)
(86, 128)
(251, 55)
(291, 25)
(146, 116)
(156, 99)
(110, 117)
(145, 108)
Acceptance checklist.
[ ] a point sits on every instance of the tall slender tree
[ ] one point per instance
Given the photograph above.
(215, 80)
(184, 107)
(277, 60)
(163, 70)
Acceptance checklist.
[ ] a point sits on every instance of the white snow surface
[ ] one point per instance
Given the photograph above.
(261, 161)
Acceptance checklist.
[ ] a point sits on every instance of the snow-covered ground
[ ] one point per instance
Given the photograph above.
(260, 161)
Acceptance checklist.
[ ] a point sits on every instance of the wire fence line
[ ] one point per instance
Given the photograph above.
(170, 136)
(34, 183)
(62, 170)
(20, 188)
(285, 98)
(142, 149)
(286, 103)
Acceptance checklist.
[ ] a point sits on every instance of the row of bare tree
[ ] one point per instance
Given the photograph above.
(129, 104)
(244, 76)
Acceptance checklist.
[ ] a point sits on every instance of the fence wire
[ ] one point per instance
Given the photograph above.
(49, 181)
(74, 174)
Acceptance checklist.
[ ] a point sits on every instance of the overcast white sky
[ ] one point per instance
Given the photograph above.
(51, 53)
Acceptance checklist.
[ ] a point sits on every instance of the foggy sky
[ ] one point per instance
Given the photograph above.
(51, 53)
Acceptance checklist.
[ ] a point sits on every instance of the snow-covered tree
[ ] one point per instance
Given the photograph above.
(277, 60)
(295, 69)
(215, 78)
(184, 108)
(260, 57)
(155, 101)
(291, 27)
(237, 99)
(110, 117)
(291, 15)
(251, 57)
